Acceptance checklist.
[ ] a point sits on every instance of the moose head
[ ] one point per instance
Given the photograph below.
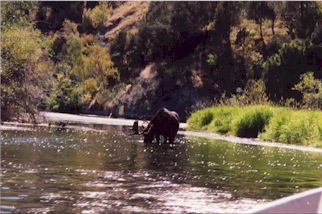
(165, 123)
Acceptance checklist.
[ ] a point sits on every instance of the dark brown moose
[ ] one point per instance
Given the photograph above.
(165, 123)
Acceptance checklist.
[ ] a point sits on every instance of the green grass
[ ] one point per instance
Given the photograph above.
(271, 123)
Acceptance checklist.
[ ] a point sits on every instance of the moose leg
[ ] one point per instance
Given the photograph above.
(157, 137)
(171, 139)
(165, 138)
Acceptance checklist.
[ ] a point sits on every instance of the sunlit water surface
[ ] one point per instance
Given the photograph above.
(74, 171)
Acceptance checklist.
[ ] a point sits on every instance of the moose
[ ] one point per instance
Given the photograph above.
(164, 123)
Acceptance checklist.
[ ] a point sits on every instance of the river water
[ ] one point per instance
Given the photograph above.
(75, 171)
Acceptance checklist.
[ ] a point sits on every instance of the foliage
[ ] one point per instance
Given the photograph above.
(171, 30)
(259, 11)
(18, 13)
(301, 17)
(267, 122)
(25, 72)
(282, 70)
(252, 121)
(82, 76)
(212, 59)
(77, 68)
(253, 93)
(201, 119)
(311, 90)
(222, 119)
(65, 96)
(295, 127)
(51, 15)
(97, 16)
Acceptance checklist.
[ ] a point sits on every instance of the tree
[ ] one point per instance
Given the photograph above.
(311, 90)
(26, 70)
(81, 76)
(283, 69)
(300, 18)
(227, 16)
(17, 13)
(259, 11)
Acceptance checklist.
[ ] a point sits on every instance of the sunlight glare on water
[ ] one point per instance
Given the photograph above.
(76, 171)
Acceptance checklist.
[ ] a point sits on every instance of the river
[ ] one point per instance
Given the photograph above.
(50, 170)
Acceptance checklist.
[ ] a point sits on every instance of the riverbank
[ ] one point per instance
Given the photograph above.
(266, 122)
(99, 123)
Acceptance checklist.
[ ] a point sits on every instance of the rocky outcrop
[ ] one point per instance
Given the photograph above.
(152, 91)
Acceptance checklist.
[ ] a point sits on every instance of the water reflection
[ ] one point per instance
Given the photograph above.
(45, 170)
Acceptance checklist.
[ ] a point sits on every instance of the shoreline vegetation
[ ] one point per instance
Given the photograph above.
(101, 124)
(266, 122)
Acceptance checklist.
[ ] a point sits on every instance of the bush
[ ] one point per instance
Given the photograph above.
(253, 93)
(295, 127)
(84, 71)
(222, 118)
(267, 122)
(311, 90)
(200, 119)
(25, 70)
(252, 122)
(96, 17)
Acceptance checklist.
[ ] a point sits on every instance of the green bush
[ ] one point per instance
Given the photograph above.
(311, 90)
(222, 118)
(200, 119)
(267, 122)
(25, 70)
(252, 122)
(295, 127)
(253, 93)
(84, 71)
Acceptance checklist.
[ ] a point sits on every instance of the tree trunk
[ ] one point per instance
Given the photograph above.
(261, 30)
(273, 23)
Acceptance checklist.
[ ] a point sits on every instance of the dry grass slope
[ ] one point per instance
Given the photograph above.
(126, 16)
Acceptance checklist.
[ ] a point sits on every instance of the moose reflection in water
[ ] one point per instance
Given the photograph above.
(165, 123)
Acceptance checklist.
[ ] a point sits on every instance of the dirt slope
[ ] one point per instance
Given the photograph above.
(126, 16)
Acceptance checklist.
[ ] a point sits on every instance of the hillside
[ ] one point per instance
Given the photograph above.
(125, 17)
(131, 58)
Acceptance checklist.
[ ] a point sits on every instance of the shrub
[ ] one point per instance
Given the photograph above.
(311, 90)
(200, 119)
(253, 93)
(25, 70)
(252, 122)
(222, 118)
(295, 127)
(95, 18)
(267, 122)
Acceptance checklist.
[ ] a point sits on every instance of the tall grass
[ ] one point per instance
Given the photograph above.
(295, 127)
(251, 121)
(302, 127)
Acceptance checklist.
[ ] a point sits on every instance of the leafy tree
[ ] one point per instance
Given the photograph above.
(259, 11)
(84, 71)
(170, 31)
(17, 13)
(94, 18)
(311, 90)
(316, 36)
(26, 70)
(282, 70)
(253, 93)
(227, 16)
(51, 15)
(64, 96)
(301, 17)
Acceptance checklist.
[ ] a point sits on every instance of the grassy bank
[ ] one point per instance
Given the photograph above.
(271, 123)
